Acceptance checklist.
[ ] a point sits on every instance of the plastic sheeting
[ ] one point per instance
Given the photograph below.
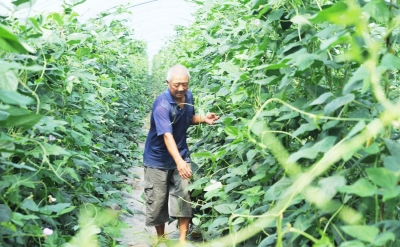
(152, 20)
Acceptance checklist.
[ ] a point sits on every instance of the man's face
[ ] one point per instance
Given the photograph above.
(178, 86)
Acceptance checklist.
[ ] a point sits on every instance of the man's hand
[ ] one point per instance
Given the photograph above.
(211, 118)
(184, 169)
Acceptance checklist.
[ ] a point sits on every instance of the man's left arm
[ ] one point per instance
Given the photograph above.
(209, 118)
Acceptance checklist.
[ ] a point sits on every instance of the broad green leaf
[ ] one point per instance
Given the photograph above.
(54, 208)
(5, 213)
(231, 131)
(14, 98)
(4, 115)
(230, 68)
(304, 128)
(356, 129)
(225, 208)
(8, 80)
(278, 190)
(57, 18)
(232, 186)
(10, 43)
(24, 121)
(362, 232)
(66, 210)
(30, 205)
(339, 13)
(383, 238)
(359, 80)
(197, 184)
(382, 177)
(329, 185)
(251, 153)
(378, 10)
(258, 127)
(20, 219)
(393, 146)
(322, 98)
(72, 173)
(390, 61)
(354, 243)
(390, 193)
(392, 163)
(55, 150)
(302, 223)
(372, 149)
(337, 103)
(203, 155)
(361, 188)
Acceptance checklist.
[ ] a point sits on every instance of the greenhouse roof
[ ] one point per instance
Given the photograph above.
(152, 20)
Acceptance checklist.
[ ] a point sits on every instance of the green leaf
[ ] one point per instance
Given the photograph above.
(339, 13)
(303, 128)
(5, 213)
(251, 153)
(337, 103)
(225, 208)
(8, 80)
(232, 186)
(390, 193)
(302, 223)
(322, 98)
(231, 69)
(54, 208)
(20, 219)
(55, 150)
(362, 232)
(393, 146)
(231, 131)
(26, 121)
(72, 173)
(378, 10)
(390, 61)
(15, 98)
(392, 163)
(10, 43)
(197, 184)
(30, 205)
(356, 129)
(278, 190)
(352, 244)
(65, 210)
(383, 238)
(360, 79)
(361, 188)
(382, 177)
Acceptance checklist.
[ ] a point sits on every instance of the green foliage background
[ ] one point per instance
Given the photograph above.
(306, 150)
(72, 100)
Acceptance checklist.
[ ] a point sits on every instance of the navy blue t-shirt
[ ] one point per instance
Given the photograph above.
(167, 116)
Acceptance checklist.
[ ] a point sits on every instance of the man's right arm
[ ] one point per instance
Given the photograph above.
(183, 168)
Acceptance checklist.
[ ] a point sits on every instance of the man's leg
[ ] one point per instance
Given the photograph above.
(156, 195)
(179, 203)
(183, 228)
(160, 230)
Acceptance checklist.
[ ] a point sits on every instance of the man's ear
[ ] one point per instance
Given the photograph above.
(166, 81)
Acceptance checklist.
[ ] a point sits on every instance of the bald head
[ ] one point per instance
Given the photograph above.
(177, 70)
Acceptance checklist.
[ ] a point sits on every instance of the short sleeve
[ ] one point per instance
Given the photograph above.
(162, 120)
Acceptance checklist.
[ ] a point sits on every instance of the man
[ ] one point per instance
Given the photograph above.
(166, 156)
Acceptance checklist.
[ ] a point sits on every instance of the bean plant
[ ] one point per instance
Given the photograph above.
(306, 152)
(72, 99)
